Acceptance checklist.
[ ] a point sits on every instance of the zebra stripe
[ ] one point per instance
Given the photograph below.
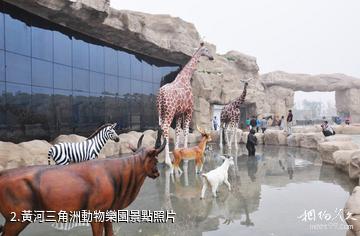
(66, 153)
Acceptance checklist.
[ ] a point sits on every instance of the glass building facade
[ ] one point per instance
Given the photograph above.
(56, 81)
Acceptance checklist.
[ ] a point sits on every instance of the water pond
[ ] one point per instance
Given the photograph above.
(281, 191)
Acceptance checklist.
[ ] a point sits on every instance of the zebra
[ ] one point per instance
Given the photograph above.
(65, 153)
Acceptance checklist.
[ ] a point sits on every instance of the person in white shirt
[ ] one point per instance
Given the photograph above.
(327, 130)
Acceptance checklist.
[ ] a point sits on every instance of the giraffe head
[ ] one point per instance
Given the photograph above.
(204, 51)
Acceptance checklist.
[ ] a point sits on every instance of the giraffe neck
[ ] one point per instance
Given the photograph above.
(189, 69)
(240, 100)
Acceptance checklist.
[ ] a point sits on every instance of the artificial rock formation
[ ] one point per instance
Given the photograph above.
(160, 36)
(352, 212)
(327, 149)
(281, 84)
(220, 81)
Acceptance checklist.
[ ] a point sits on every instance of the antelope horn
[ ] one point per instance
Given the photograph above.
(161, 148)
(132, 148)
(140, 141)
(199, 129)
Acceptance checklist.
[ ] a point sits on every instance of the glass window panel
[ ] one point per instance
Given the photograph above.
(157, 74)
(124, 118)
(97, 109)
(62, 109)
(97, 82)
(156, 88)
(2, 103)
(80, 54)
(124, 86)
(2, 65)
(18, 98)
(42, 73)
(111, 84)
(2, 27)
(81, 110)
(62, 76)
(147, 73)
(136, 71)
(17, 36)
(148, 117)
(81, 80)
(136, 106)
(18, 68)
(124, 64)
(42, 43)
(97, 58)
(136, 87)
(147, 88)
(62, 49)
(111, 63)
(112, 109)
(41, 109)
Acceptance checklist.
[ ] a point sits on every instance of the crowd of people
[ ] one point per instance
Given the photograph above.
(261, 124)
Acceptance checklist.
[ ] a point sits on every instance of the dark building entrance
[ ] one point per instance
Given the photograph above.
(246, 111)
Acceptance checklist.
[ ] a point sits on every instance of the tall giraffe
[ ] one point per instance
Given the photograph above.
(175, 100)
(229, 118)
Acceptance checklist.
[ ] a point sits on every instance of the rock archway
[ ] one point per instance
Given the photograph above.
(280, 88)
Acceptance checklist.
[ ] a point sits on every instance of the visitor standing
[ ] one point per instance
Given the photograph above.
(270, 121)
(253, 123)
(215, 123)
(282, 123)
(289, 121)
(247, 122)
(251, 142)
(264, 124)
(258, 124)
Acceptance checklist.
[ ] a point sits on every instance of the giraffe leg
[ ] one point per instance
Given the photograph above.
(187, 120)
(227, 140)
(233, 132)
(167, 151)
(221, 136)
(236, 140)
(186, 127)
(177, 132)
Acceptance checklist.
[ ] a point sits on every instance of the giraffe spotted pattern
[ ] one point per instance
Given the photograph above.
(175, 100)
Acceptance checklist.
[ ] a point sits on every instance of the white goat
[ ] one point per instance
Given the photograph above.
(217, 176)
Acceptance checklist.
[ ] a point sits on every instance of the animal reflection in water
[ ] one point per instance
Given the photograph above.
(226, 208)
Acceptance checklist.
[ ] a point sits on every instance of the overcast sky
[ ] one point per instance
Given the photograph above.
(296, 36)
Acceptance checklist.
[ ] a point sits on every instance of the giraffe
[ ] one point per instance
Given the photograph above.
(229, 118)
(175, 100)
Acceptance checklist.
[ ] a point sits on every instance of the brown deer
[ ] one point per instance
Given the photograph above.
(98, 185)
(193, 153)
